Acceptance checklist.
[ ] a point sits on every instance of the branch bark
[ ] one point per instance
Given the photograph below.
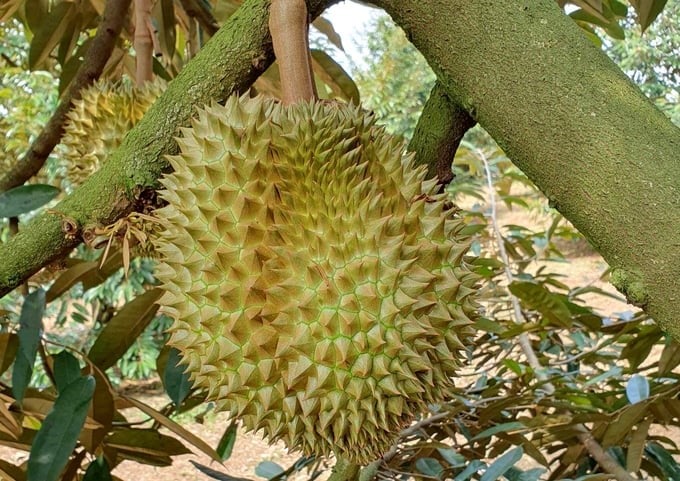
(238, 53)
(438, 133)
(573, 122)
(93, 65)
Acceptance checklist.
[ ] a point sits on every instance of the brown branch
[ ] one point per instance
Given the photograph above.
(603, 458)
(93, 65)
(196, 10)
(143, 41)
(440, 129)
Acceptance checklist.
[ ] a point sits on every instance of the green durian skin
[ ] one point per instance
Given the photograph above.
(315, 278)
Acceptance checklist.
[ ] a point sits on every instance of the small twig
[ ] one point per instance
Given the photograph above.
(93, 64)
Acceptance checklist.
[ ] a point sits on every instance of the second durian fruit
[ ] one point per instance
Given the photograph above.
(98, 122)
(315, 278)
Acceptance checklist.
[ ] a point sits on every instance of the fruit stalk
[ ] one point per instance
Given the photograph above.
(289, 27)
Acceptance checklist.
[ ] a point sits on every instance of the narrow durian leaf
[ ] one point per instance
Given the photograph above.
(30, 330)
(123, 329)
(25, 198)
(175, 428)
(50, 33)
(59, 433)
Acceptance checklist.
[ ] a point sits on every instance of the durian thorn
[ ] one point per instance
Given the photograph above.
(289, 27)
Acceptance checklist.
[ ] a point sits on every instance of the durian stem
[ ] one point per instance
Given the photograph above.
(90, 70)
(143, 41)
(289, 27)
(345, 471)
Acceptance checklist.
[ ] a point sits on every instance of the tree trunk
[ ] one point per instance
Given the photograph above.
(565, 114)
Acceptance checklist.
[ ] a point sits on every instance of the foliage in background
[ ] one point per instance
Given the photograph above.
(599, 366)
(27, 98)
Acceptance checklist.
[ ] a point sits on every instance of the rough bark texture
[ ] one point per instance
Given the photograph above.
(228, 63)
(438, 133)
(93, 65)
(571, 120)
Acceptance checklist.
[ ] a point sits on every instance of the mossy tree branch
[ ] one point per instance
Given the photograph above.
(230, 62)
(566, 115)
(94, 61)
(438, 133)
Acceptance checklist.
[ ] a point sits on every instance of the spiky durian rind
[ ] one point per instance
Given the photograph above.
(99, 120)
(316, 280)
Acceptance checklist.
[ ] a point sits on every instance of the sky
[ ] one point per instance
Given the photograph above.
(352, 21)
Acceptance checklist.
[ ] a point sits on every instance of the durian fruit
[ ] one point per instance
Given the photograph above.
(98, 122)
(316, 281)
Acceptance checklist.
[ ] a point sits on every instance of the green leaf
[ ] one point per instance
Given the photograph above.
(499, 467)
(326, 27)
(174, 427)
(452, 457)
(69, 278)
(98, 470)
(175, 380)
(470, 471)
(637, 443)
(164, 18)
(226, 444)
(9, 344)
(59, 433)
(430, 467)
(538, 298)
(25, 198)
(52, 29)
(268, 469)
(637, 389)
(665, 460)
(123, 329)
(30, 329)
(215, 474)
(499, 428)
(335, 76)
(148, 441)
(647, 11)
(66, 370)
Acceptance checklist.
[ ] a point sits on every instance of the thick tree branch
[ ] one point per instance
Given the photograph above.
(230, 62)
(93, 65)
(438, 133)
(566, 115)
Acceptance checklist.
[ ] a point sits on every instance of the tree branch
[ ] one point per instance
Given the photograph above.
(440, 129)
(238, 53)
(567, 116)
(93, 65)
